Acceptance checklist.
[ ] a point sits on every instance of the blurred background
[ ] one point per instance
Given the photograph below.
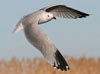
(73, 37)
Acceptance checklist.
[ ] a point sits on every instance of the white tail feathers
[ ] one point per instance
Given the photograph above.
(18, 28)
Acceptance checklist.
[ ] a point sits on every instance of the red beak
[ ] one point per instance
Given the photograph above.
(54, 18)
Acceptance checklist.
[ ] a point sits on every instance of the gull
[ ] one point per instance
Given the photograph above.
(38, 38)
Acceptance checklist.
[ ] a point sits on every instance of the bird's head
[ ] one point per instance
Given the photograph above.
(50, 16)
(46, 17)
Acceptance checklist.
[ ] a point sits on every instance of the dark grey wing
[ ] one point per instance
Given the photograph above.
(65, 12)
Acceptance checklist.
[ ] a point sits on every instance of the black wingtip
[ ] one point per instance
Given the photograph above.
(82, 14)
(60, 62)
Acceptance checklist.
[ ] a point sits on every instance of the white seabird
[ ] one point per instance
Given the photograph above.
(39, 39)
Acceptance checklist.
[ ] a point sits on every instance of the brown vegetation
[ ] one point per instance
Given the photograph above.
(39, 66)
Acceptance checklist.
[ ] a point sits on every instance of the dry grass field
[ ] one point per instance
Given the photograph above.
(82, 65)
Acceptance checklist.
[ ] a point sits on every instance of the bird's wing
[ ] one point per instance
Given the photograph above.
(39, 39)
(65, 12)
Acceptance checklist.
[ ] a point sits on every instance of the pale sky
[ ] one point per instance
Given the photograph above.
(73, 37)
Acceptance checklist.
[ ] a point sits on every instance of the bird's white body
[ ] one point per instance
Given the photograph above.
(37, 37)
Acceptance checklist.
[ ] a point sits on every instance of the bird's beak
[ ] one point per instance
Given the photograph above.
(54, 18)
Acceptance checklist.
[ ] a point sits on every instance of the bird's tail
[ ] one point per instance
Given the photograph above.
(19, 27)
(60, 62)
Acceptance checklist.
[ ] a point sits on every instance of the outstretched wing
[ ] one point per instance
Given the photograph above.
(65, 12)
(39, 39)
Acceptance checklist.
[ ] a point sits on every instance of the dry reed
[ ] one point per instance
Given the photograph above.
(39, 66)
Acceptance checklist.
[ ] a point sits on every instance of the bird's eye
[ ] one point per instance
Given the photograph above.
(48, 16)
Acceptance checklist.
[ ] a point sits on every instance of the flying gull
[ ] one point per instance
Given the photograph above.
(37, 37)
